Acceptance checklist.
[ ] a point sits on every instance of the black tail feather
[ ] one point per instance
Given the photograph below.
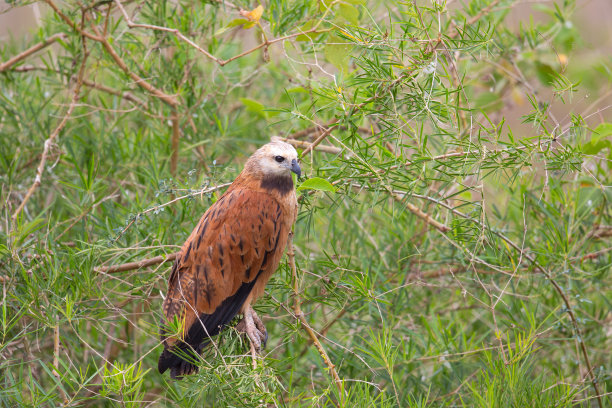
(182, 358)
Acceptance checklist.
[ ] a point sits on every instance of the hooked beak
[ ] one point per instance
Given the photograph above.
(295, 167)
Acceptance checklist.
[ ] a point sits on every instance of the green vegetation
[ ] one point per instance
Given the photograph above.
(453, 243)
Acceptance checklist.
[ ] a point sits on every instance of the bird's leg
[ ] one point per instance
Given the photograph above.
(260, 328)
(252, 325)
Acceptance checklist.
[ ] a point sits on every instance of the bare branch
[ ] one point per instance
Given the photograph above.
(306, 145)
(128, 96)
(318, 140)
(43, 44)
(137, 265)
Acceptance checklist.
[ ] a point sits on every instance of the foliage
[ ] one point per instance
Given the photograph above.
(453, 242)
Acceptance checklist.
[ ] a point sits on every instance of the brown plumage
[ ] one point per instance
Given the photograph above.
(229, 257)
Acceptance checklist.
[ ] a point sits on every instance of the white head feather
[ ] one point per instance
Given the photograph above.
(274, 159)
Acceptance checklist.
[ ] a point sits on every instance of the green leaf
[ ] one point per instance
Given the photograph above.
(348, 13)
(595, 147)
(546, 74)
(601, 131)
(254, 107)
(488, 102)
(317, 183)
(309, 36)
(337, 53)
(598, 140)
(234, 23)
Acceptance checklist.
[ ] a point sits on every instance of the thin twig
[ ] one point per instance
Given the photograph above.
(137, 265)
(176, 134)
(300, 315)
(125, 95)
(158, 207)
(187, 40)
(54, 134)
(595, 254)
(475, 18)
(305, 145)
(54, 371)
(422, 215)
(45, 43)
(318, 140)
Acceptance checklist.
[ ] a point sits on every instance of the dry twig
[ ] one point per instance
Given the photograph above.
(300, 315)
(45, 43)
(305, 145)
(137, 265)
(55, 372)
(187, 40)
(51, 139)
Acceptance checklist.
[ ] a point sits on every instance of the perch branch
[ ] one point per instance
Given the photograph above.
(300, 315)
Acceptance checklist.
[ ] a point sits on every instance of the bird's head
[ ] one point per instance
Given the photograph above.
(275, 159)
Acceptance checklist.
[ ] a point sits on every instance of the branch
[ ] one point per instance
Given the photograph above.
(168, 99)
(298, 312)
(157, 207)
(125, 95)
(54, 134)
(98, 37)
(137, 265)
(43, 44)
(54, 371)
(71, 23)
(419, 213)
(187, 40)
(319, 139)
(176, 133)
(306, 145)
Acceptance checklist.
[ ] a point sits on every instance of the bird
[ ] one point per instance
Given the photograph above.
(224, 265)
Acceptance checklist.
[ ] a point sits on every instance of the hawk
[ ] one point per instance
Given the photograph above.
(229, 257)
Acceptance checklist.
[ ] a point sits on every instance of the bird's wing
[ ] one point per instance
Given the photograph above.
(220, 262)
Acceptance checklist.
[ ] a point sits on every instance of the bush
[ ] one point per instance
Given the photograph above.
(453, 241)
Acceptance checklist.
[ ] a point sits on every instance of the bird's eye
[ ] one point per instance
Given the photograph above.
(279, 159)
